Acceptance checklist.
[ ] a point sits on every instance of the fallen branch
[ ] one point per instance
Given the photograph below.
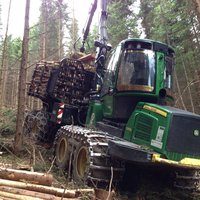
(110, 184)
(51, 165)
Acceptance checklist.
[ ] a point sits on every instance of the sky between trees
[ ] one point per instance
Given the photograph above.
(81, 8)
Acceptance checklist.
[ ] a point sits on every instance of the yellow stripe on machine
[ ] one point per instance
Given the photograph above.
(128, 129)
(186, 162)
(190, 161)
(155, 110)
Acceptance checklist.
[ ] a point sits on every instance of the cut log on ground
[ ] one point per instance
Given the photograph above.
(29, 193)
(26, 176)
(17, 166)
(45, 189)
(17, 196)
(4, 198)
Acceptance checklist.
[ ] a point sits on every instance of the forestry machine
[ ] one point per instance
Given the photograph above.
(118, 111)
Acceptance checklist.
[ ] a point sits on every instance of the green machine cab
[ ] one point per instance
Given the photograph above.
(138, 70)
(135, 102)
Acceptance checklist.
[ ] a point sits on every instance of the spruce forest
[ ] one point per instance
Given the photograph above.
(173, 22)
(57, 35)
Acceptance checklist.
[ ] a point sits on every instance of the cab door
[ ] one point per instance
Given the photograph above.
(109, 84)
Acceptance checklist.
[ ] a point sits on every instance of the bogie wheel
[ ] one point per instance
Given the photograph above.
(35, 125)
(80, 164)
(62, 150)
(29, 126)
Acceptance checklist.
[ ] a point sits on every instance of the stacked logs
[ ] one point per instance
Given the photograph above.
(41, 77)
(66, 81)
(19, 184)
(70, 83)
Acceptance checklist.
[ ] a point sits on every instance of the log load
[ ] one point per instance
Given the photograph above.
(65, 81)
(40, 78)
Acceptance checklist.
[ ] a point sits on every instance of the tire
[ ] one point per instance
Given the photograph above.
(36, 126)
(83, 153)
(80, 164)
(29, 124)
(62, 150)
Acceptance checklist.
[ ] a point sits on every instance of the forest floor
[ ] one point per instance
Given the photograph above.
(41, 159)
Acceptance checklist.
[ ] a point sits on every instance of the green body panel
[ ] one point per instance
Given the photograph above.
(150, 128)
(110, 102)
(95, 113)
(108, 105)
(178, 156)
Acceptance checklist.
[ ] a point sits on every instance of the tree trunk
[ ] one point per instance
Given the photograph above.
(44, 18)
(187, 81)
(16, 79)
(4, 55)
(60, 34)
(22, 83)
(197, 5)
(179, 92)
(4, 99)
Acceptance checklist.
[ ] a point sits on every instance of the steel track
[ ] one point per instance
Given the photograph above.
(188, 179)
(101, 169)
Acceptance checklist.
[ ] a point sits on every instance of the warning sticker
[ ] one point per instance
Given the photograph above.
(160, 133)
(156, 143)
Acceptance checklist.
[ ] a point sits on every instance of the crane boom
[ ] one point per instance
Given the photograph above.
(103, 35)
(101, 44)
(103, 22)
(88, 24)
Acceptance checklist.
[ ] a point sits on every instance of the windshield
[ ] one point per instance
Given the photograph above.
(137, 71)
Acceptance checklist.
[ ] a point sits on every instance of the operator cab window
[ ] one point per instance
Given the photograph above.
(110, 75)
(137, 71)
(168, 72)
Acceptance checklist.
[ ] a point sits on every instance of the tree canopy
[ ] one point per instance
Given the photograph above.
(176, 23)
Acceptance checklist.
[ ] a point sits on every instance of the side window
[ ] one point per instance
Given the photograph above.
(168, 72)
(114, 59)
(109, 77)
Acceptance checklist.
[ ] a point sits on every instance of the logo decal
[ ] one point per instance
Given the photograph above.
(196, 132)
